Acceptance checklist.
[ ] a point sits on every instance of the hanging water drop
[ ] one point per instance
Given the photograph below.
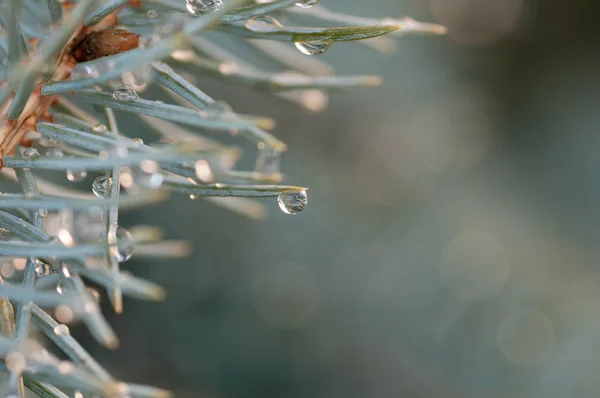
(43, 212)
(262, 22)
(30, 153)
(125, 245)
(125, 94)
(306, 3)
(76, 175)
(198, 7)
(292, 202)
(101, 186)
(312, 47)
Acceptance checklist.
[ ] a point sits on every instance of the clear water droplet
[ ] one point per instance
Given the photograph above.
(59, 287)
(40, 268)
(62, 330)
(193, 197)
(268, 160)
(84, 71)
(198, 7)
(76, 175)
(101, 186)
(138, 141)
(54, 152)
(43, 212)
(30, 153)
(262, 22)
(125, 245)
(125, 94)
(312, 47)
(100, 128)
(292, 202)
(306, 3)
(93, 293)
(152, 14)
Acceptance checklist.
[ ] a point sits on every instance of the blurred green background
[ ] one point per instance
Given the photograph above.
(449, 247)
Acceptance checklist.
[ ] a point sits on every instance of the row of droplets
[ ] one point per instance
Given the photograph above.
(147, 173)
(198, 7)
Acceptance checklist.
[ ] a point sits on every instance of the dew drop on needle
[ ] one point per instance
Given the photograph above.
(101, 186)
(313, 47)
(199, 7)
(306, 3)
(125, 94)
(292, 202)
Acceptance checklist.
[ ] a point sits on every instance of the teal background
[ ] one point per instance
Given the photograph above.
(449, 247)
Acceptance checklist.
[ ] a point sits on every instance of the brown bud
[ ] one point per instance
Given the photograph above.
(103, 43)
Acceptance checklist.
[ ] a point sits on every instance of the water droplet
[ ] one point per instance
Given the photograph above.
(198, 7)
(263, 22)
(125, 245)
(306, 3)
(138, 141)
(41, 269)
(101, 186)
(312, 47)
(152, 14)
(54, 152)
(84, 71)
(30, 153)
(125, 94)
(62, 330)
(100, 128)
(76, 175)
(268, 159)
(193, 197)
(292, 202)
(43, 212)
(59, 287)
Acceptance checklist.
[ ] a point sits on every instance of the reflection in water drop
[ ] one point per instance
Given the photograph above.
(306, 3)
(30, 153)
(198, 7)
(262, 22)
(292, 202)
(525, 336)
(125, 94)
(101, 186)
(312, 47)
